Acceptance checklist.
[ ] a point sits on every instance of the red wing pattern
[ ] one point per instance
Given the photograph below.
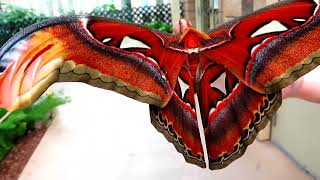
(109, 54)
(236, 71)
(232, 114)
(126, 58)
(180, 114)
(265, 51)
(178, 123)
(273, 46)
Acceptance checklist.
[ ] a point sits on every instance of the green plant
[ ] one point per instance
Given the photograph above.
(13, 19)
(19, 122)
(105, 7)
(161, 26)
(104, 10)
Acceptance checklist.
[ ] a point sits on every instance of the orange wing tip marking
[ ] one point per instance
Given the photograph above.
(30, 96)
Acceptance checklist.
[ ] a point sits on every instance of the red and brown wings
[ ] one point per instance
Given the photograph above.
(236, 71)
(273, 46)
(126, 58)
(110, 54)
(262, 52)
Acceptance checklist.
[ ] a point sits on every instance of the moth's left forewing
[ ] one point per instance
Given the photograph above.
(270, 49)
(150, 44)
(133, 40)
(137, 39)
(127, 58)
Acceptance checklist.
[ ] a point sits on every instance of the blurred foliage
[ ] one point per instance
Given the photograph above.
(17, 124)
(105, 7)
(106, 10)
(13, 19)
(161, 26)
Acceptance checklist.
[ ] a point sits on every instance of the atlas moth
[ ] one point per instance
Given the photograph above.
(211, 125)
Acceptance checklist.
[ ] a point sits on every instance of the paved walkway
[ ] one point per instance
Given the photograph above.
(103, 135)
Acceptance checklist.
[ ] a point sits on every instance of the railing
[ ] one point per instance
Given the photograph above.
(141, 15)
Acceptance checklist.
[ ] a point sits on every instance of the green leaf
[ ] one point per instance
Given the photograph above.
(3, 112)
(17, 124)
(161, 26)
(13, 19)
(13, 119)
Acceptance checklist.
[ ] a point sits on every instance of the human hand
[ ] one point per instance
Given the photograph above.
(181, 26)
(306, 88)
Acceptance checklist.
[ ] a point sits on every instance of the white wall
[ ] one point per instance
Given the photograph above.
(297, 131)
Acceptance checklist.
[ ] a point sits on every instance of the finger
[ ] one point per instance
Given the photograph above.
(181, 26)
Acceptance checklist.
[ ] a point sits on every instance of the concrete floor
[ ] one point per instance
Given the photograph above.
(103, 135)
